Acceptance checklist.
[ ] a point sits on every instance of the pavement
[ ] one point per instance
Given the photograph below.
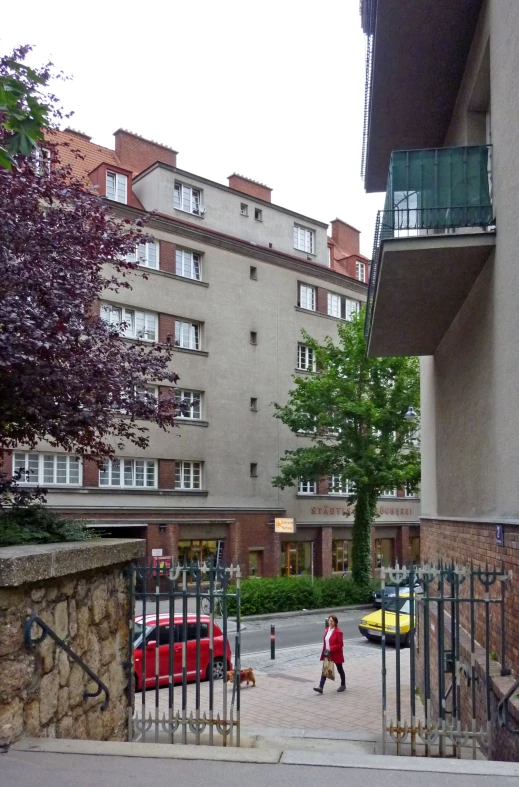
(283, 698)
(96, 764)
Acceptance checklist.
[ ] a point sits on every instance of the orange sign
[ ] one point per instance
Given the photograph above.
(285, 525)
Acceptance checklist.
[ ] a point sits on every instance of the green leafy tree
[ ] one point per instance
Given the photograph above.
(353, 410)
(26, 106)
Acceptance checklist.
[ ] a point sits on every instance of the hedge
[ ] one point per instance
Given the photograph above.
(288, 594)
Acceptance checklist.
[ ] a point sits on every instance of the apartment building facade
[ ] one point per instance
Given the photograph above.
(232, 278)
(443, 137)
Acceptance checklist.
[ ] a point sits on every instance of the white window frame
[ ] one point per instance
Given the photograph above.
(360, 271)
(337, 486)
(136, 321)
(146, 255)
(307, 297)
(304, 239)
(389, 493)
(334, 305)
(185, 470)
(187, 198)
(350, 306)
(40, 465)
(244, 209)
(407, 493)
(185, 262)
(120, 187)
(305, 358)
(191, 330)
(307, 487)
(115, 473)
(195, 410)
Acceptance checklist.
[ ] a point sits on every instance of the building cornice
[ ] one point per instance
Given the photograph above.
(245, 248)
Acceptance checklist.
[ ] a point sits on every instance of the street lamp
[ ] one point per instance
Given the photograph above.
(410, 414)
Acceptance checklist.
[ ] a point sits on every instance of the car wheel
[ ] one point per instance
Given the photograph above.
(217, 670)
(405, 642)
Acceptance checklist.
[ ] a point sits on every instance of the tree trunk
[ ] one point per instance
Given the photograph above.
(361, 547)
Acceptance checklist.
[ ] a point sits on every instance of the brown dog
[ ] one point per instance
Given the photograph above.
(246, 676)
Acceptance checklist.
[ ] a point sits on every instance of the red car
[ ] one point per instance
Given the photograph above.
(162, 643)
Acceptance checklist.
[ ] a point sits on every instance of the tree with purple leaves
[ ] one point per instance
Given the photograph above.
(66, 376)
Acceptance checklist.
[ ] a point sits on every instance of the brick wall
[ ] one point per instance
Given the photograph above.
(166, 327)
(138, 153)
(166, 474)
(90, 473)
(167, 257)
(464, 542)
(322, 300)
(250, 187)
(503, 744)
(323, 552)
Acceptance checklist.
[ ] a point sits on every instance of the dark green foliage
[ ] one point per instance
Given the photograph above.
(287, 594)
(39, 525)
(353, 412)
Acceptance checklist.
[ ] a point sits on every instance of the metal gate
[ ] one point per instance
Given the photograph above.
(448, 616)
(179, 634)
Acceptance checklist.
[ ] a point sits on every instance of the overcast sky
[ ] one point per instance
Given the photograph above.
(272, 89)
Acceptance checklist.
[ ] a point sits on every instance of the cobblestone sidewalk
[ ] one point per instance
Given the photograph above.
(284, 696)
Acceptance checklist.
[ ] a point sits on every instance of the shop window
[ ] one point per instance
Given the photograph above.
(385, 551)
(414, 549)
(296, 558)
(341, 556)
(255, 563)
(197, 551)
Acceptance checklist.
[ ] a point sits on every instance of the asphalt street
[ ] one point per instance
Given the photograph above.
(295, 631)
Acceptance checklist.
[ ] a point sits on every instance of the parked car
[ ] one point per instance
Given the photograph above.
(390, 591)
(371, 626)
(159, 637)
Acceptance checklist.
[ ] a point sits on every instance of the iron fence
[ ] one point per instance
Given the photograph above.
(170, 643)
(447, 628)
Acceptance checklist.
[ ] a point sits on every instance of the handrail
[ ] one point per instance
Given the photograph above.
(47, 631)
(502, 709)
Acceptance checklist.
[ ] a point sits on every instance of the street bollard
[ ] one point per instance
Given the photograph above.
(272, 642)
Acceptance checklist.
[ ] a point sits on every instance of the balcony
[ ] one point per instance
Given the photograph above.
(432, 239)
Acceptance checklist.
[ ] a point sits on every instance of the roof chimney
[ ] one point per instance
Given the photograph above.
(137, 153)
(77, 133)
(346, 237)
(250, 187)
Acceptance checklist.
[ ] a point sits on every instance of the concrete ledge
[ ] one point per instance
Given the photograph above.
(32, 563)
(163, 751)
(402, 764)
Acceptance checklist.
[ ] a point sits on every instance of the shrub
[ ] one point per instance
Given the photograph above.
(289, 594)
(39, 525)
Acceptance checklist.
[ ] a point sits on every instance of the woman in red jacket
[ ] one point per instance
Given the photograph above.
(333, 649)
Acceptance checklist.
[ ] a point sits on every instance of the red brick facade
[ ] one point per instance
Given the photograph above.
(464, 542)
(250, 187)
(138, 153)
(168, 257)
(90, 473)
(166, 327)
(166, 474)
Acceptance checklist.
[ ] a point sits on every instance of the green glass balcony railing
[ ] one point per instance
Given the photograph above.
(433, 192)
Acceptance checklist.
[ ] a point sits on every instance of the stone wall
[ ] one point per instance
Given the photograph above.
(82, 592)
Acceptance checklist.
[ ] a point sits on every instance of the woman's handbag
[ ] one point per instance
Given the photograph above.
(328, 669)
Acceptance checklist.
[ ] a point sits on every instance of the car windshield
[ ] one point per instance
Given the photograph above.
(137, 634)
(403, 604)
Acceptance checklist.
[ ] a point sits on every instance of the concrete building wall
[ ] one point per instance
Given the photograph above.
(476, 368)
(223, 213)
